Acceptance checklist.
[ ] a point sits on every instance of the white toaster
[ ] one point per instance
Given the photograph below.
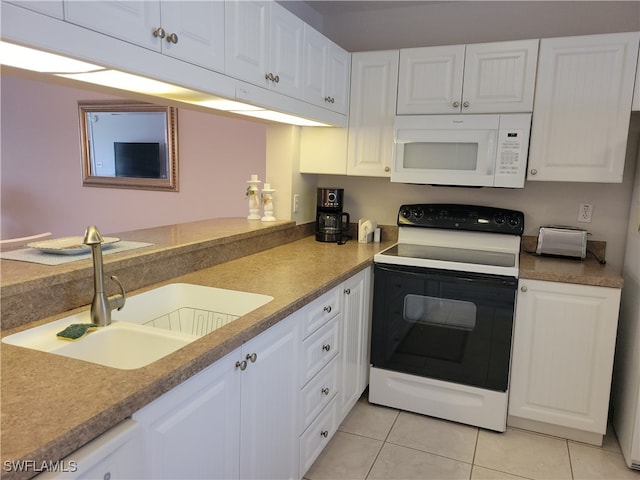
(562, 241)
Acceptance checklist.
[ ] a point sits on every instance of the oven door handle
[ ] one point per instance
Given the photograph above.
(457, 275)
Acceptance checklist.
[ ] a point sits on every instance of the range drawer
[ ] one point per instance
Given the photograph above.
(317, 436)
(320, 311)
(318, 393)
(319, 349)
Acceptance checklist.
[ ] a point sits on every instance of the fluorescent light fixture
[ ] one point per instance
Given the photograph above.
(127, 81)
(39, 61)
(61, 66)
(281, 117)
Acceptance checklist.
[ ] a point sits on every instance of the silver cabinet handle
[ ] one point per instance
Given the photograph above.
(276, 79)
(534, 171)
(324, 433)
(252, 357)
(465, 104)
(456, 104)
(329, 99)
(347, 291)
(172, 38)
(523, 288)
(325, 391)
(242, 365)
(159, 32)
(327, 309)
(326, 347)
(387, 169)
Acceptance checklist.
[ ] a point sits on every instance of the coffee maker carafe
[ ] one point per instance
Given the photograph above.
(332, 224)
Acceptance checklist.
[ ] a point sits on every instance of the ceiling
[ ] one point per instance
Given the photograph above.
(335, 7)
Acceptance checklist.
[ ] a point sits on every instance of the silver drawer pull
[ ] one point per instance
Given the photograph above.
(327, 309)
(326, 347)
(242, 365)
(159, 32)
(325, 391)
(324, 433)
(347, 291)
(523, 288)
(172, 38)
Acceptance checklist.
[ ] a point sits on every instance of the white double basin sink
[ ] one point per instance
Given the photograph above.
(150, 326)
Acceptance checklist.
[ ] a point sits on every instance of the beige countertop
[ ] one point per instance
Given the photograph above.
(52, 405)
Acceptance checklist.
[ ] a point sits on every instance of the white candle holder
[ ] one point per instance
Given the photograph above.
(267, 203)
(254, 200)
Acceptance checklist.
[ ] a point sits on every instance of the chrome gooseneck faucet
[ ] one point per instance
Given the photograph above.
(101, 305)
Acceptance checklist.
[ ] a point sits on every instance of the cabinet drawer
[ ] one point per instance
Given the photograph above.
(318, 393)
(319, 349)
(320, 311)
(317, 436)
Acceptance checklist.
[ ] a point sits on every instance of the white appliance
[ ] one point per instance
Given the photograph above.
(443, 308)
(626, 375)
(467, 150)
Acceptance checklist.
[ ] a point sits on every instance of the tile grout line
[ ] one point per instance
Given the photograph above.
(383, 444)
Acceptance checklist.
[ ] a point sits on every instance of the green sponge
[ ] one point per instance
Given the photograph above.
(76, 331)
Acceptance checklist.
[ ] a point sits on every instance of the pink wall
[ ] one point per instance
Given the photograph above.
(41, 174)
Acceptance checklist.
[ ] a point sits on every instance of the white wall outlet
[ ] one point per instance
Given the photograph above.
(296, 202)
(584, 213)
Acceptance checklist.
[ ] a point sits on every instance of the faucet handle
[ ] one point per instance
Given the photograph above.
(118, 300)
(92, 236)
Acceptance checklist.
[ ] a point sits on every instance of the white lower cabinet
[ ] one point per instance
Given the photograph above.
(265, 410)
(233, 419)
(563, 348)
(356, 336)
(115, 454)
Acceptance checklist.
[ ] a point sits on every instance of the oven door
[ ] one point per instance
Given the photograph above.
(447, 325)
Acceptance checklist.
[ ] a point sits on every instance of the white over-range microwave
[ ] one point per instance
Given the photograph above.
(465, 150)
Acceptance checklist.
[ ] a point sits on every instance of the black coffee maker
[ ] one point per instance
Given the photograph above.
(332, 224)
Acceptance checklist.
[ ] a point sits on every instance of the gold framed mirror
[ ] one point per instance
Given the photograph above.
(129, 145)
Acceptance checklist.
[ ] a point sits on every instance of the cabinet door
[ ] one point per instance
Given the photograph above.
(374, 84)
(337, 92)
(269, 403)
(499, 77)
(246, 40)
(430, 79)
(563, 348)
(315, 66)
(582, 108)
(285, 52)
(193, 430)
(199, 28)
(356, 331)
(130, 21)
(52, 8)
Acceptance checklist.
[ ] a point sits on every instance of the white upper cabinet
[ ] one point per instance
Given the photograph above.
(263, 44)
(494, 77)
(188, 30)
(130, 21)
(326, 72)
(52, 8)
(374, 84)
(582, 108)
(194, 32)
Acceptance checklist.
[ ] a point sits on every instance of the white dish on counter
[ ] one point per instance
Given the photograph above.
(67, 245)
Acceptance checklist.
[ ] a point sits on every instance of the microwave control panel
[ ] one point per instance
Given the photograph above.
(513, 148)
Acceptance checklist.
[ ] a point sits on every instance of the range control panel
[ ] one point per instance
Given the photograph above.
(462, 217)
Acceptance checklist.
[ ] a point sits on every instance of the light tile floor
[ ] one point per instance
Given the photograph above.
(376, 443)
